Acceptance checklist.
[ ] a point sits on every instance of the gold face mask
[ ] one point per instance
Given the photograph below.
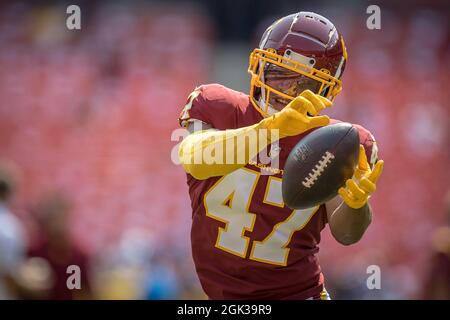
(277, 80)
(288, 82)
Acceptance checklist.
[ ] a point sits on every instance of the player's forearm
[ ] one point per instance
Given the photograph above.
(348, 225)
(212, 153)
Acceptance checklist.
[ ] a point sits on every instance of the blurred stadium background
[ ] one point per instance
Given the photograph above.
(86, 119)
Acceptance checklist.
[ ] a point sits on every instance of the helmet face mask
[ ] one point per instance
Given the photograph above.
(288, 82)
(289, 62)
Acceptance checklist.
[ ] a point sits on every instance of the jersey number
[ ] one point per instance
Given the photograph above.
(228, 201)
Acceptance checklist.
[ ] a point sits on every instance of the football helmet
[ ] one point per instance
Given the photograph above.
(298, 52)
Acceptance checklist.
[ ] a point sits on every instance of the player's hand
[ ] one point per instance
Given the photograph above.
(357, 191)
(300, 115)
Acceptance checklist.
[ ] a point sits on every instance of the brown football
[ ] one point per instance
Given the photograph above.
(319, 165)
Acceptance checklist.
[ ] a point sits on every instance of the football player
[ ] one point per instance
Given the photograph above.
(246, 243)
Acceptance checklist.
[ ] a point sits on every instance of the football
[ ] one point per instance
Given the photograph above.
(319, 165)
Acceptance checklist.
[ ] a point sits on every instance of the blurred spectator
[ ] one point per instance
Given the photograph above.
(12, 241)
(121, 269)
(35, 279)
(57, 248)
(438, 282)
(163, 282)
(133, 268)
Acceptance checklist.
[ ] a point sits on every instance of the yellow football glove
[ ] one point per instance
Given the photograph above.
(290, 121)
(357, 191)
(294, 119)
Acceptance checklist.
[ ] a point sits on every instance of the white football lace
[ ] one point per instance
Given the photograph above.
(308, 182)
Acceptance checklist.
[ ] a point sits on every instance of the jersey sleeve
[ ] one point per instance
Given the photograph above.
(370, 145)
(213, 104)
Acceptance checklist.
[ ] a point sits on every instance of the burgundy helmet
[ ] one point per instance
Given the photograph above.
(303, 50)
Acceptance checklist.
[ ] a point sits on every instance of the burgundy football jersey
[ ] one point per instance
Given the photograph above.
(246, 243)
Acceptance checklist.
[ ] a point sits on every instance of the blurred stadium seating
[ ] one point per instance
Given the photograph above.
(90, 113)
